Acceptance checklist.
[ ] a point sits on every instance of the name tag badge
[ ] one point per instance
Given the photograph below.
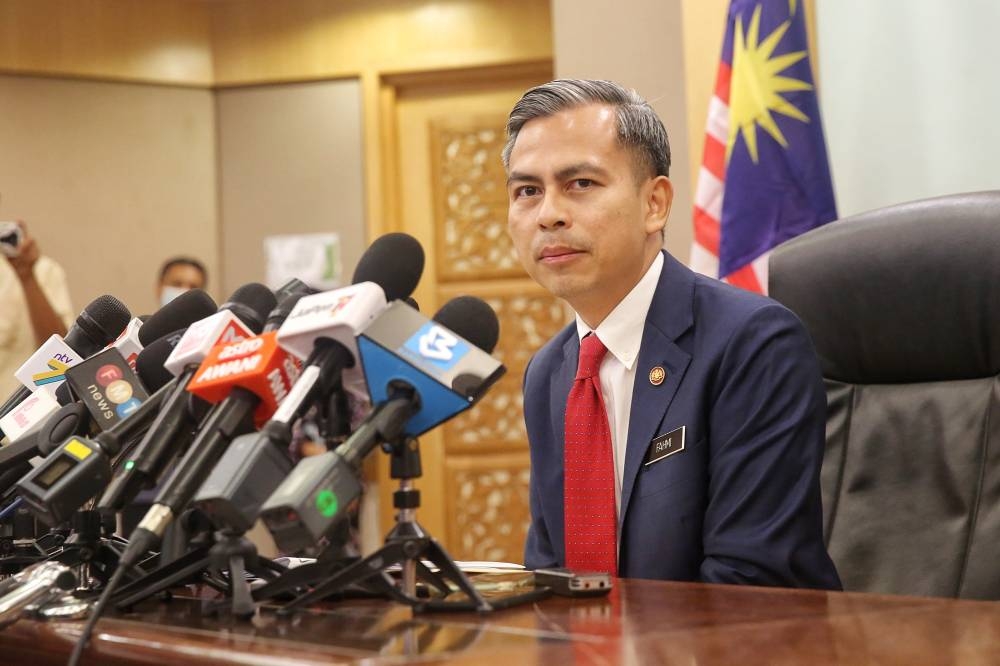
(665, 446)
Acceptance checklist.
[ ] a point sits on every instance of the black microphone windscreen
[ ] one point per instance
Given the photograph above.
(394, 262)
(293, 286)
(184, 310)
(473, 319)
(280, 313)
(149, 362)
(251, 303)
(101, 321)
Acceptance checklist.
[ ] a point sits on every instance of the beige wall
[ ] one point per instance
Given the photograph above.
(290, 161)
(221, 44)
(112, 178)
(638, 43)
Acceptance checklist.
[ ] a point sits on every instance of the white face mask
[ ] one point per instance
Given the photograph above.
(169, 293)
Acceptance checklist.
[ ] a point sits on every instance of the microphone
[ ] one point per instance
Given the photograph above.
(400, 251)
(76, 467)
(322, 329)
(62, 483)
(420, 373)
(107, 386)
(171, 429)
(187, 308)
(149, 364)
(247, 379)
(33, 413)
(99, 324)
(191, 306)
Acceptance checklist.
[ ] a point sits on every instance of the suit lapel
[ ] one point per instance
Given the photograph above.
(670, 315)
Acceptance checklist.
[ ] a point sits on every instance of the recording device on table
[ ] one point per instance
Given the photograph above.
(568, 583)
(11, 236)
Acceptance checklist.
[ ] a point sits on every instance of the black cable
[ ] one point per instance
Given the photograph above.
(95, 615)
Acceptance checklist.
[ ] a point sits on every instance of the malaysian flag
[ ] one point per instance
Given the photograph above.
(764, 176)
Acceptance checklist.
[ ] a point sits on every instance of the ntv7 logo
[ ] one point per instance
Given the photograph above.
(58, 365)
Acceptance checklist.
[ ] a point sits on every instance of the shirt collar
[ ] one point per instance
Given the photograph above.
(619, 331)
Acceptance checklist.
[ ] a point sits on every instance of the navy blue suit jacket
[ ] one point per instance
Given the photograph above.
(741, 502)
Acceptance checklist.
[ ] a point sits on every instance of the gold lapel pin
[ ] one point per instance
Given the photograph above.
(657, 375)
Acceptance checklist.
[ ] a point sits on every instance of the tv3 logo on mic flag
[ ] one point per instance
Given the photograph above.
(764, 177)
(438, 345)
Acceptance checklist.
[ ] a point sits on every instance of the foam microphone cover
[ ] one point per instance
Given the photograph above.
(149, 362)
(394, 262)
(293, 286)
(251, 304)
(473, 319)
(183, 311)
(98, 325)
(280, 313)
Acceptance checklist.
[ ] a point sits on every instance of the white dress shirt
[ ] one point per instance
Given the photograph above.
(621, 333)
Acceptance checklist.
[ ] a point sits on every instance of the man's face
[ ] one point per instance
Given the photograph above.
(183, 276)
(584, 226)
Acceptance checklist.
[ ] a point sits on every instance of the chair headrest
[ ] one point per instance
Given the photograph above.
(904, 294)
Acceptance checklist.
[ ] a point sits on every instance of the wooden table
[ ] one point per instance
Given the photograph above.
(642, 622)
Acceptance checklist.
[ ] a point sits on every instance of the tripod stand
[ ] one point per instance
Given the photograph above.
(219, 559)
(407, 545)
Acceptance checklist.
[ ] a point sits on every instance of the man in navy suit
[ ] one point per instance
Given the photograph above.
(713, 396)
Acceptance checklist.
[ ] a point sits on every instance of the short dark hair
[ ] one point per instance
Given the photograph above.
(184, 261)
(639, 128)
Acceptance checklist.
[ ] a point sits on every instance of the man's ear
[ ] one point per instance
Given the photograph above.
(659, 197)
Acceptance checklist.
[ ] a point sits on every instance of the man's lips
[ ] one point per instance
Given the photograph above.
(557, 252)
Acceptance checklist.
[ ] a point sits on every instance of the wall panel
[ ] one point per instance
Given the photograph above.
(112, 178)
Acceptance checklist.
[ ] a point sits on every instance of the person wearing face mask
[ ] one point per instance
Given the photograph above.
(177, 275)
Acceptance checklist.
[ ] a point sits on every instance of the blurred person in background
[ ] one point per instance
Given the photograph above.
(177, 275)
(34, 300)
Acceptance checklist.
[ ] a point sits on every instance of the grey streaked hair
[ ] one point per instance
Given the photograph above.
(639, 128)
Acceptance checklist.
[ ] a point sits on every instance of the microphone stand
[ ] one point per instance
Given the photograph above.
(20, 543)
(223, 561)
(407, 545)
(219, 559)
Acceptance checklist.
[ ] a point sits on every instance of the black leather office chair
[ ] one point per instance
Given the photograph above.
(903, 304)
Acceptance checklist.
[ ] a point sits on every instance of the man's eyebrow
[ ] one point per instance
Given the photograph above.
(565, 173)
(579, 168)
(522, 177)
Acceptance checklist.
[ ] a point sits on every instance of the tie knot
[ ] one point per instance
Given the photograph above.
(592, 352)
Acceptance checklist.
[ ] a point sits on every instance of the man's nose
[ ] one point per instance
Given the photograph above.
(553, 212)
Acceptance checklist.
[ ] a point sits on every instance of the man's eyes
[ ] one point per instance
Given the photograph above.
(533, 190)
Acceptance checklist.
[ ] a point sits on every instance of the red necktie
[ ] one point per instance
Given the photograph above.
(589, 490)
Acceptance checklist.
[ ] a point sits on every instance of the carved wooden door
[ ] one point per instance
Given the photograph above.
(451, 195)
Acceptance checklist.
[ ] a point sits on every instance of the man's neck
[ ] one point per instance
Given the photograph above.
(593, 313)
